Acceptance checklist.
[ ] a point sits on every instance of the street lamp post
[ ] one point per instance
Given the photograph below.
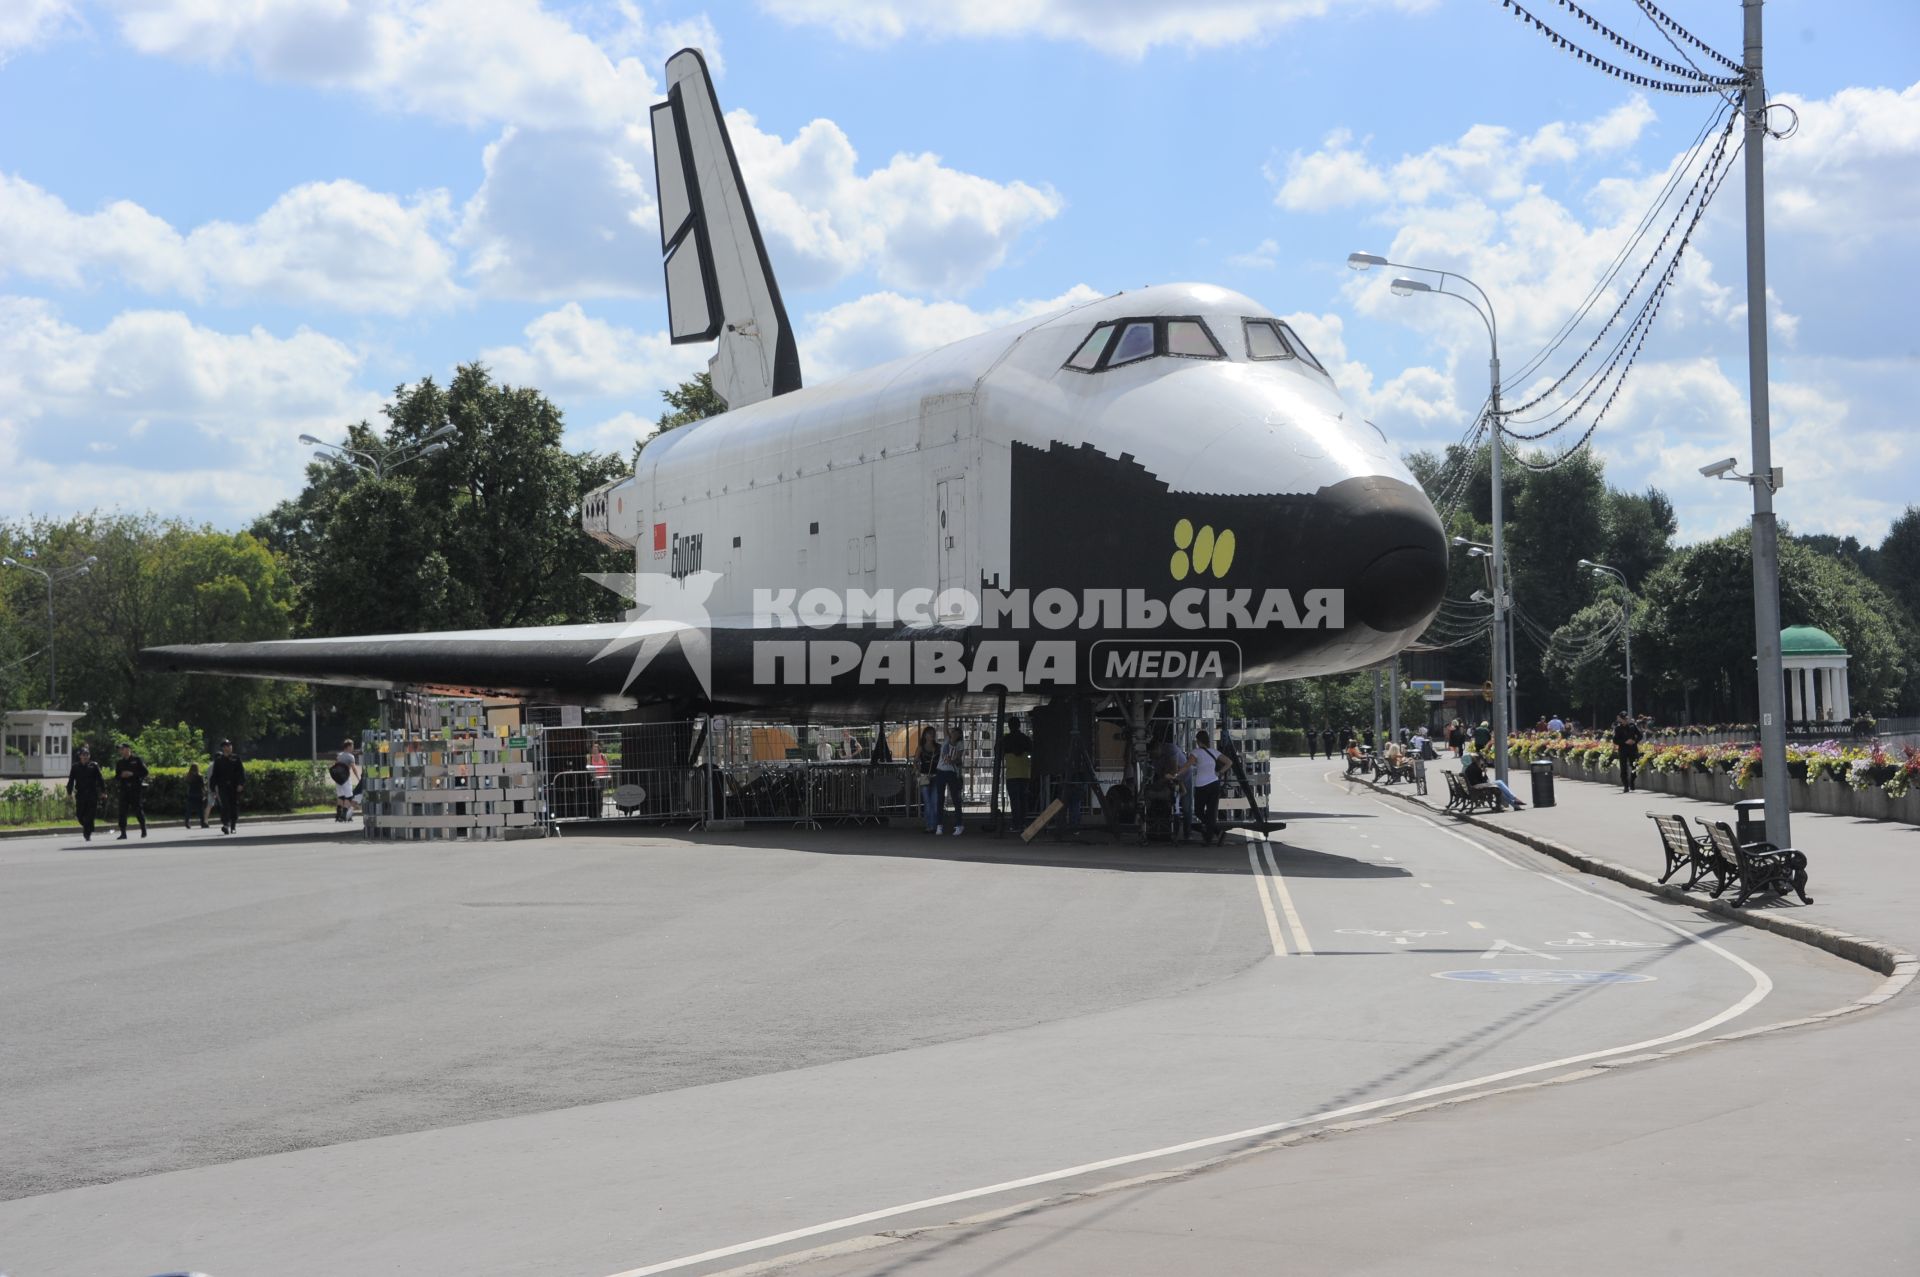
(59, 574)
(1626, 618)
(379, 466)
(1404, 287)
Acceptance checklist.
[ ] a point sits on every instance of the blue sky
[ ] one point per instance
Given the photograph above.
(225, 225)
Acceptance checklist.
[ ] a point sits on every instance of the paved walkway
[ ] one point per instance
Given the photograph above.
(1789, 1153)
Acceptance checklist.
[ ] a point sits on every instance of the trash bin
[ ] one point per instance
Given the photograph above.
(1750, 821)
(1542, 782)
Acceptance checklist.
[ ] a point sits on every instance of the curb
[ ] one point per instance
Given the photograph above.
(63, 831)
(1899, 966)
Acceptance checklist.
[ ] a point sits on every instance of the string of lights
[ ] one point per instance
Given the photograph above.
(1644, 322)
(1689, 70)
(1620, 258)
(1699, 186)
(1728, 97)
(1653, 11)
(1692, 85)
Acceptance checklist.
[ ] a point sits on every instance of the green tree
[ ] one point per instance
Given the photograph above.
(1697, 627)
(482, 535)
(154, 582)
(690, 401)
(1896, 566)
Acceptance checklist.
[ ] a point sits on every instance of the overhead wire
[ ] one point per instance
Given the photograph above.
(1690, 83)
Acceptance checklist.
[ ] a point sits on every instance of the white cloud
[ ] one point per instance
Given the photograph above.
(333, 244)
(466, 61)
(568, 351)
(194, 420)
(25, 24)
(617, 433)
(1127, 28)
(1487, 160)
(881, 326)
(916, 223)
(563, 213)
(1263, 256)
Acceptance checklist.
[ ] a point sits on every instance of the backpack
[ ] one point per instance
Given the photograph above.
(339, 771)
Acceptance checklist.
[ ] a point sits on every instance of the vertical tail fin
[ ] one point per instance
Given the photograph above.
(719, 281)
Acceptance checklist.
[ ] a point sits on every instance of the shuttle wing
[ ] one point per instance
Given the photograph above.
(719, 281)
(570, 662)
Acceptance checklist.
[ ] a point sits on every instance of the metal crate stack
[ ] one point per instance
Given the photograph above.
(444, 776)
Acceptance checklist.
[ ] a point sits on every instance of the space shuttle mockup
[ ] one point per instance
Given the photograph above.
(1160, 490)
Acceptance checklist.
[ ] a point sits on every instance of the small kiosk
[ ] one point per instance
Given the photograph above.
(39, 744)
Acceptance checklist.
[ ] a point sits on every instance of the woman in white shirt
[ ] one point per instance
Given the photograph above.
(1205, 764)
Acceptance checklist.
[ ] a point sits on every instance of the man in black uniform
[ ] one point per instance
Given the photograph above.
(131, 773)
(86, 784)
(227, 778)
(1626, 743)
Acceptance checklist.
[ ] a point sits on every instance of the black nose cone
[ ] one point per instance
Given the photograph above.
(1398, 549)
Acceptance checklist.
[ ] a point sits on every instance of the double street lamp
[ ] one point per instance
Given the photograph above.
(1626, 618)
(379, 466)
(58, 574)
(1404, 287)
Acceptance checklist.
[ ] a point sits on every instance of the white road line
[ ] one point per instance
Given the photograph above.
(1445, 901)
(1266, 904)
(1478, 926)
(1298, 932)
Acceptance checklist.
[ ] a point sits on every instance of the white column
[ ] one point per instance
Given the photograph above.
(1796, 696)
(1842, 702)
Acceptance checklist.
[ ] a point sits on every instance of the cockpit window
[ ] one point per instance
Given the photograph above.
(1136, 342)
(1264, 340)
(1271, 339)
(1190, 338)
(1092, 348)
(1127, 341)
(1300, 347)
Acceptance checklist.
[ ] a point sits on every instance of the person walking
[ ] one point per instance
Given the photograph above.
(946, 777)
(1457, 738)
(130, 773)
(1204, 762)
(1482, 734)
(1626, 744)
(1558, 726)
(195, 796)
(86, 784)
(345, 771)
(1016, 768)
(1327, 740)
(227, 777)
(926, 762)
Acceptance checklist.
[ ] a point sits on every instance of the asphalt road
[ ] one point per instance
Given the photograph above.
(597, 1055)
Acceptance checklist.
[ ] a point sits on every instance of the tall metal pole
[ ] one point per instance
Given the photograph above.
(1766, 534)
(1377, 742)
(53, 696)
(1626, 639)
(1500, 654)
(1393, 702)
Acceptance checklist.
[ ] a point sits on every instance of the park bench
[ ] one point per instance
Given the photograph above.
(1464, 798)
(1757, 866)
(1360, 764)
(1684, 851)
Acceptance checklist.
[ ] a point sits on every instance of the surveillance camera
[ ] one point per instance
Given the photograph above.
(1719, 468)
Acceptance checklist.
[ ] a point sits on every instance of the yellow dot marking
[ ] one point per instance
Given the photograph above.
(1203, 549)
(1223, 546)
(1183, 536)
(1179, 565)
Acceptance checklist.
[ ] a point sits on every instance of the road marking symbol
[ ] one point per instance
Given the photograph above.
(1478, 926)
(1522, 975)
(1508, 946)
(1445, 901)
